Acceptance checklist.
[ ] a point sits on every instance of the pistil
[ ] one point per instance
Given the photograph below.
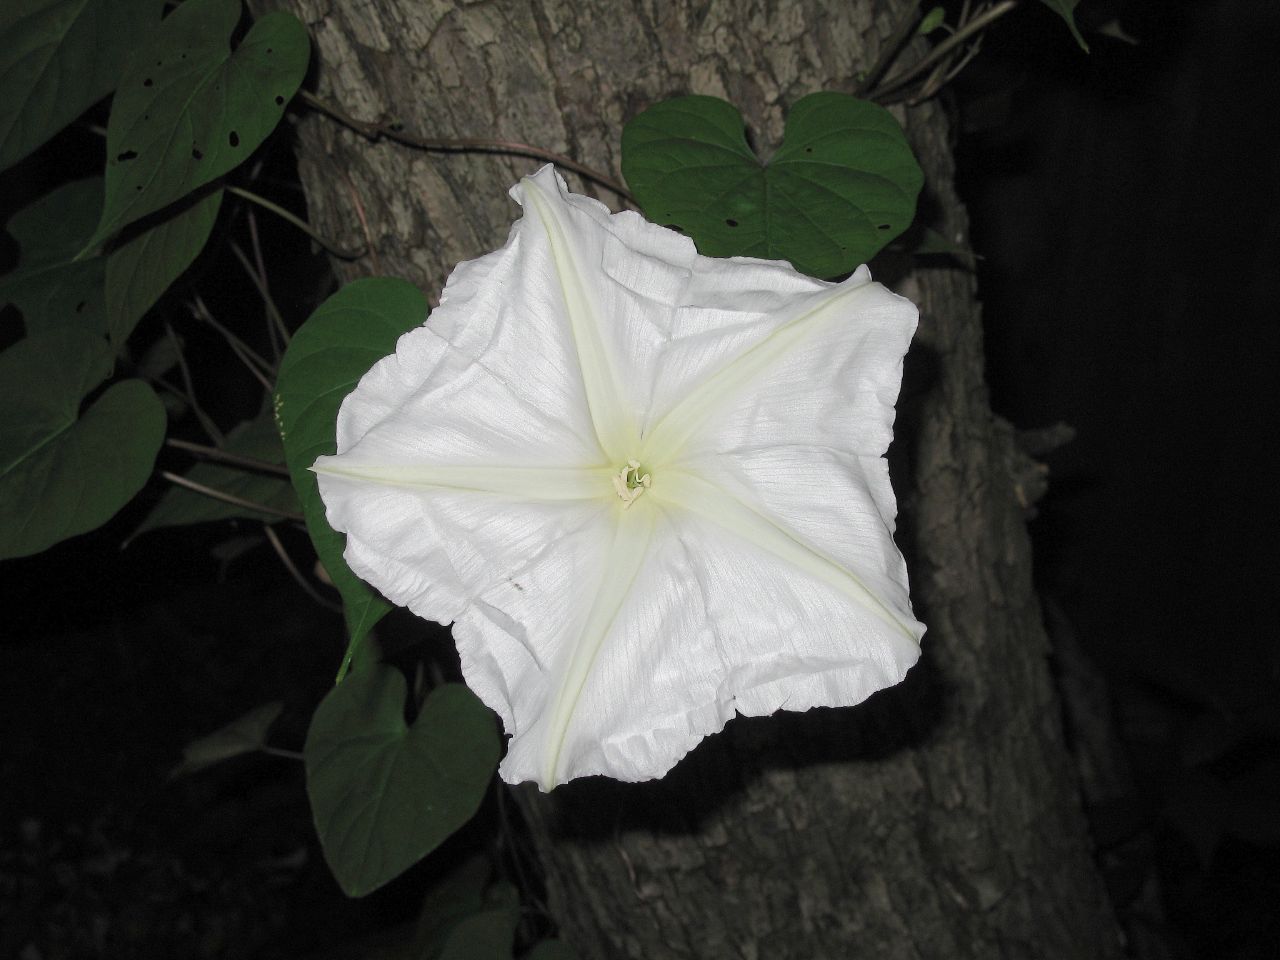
(631, 482)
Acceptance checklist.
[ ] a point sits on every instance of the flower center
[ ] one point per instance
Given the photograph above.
(631, 482)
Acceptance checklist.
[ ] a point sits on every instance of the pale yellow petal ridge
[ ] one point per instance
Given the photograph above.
(709, 502)
(667, 439)
(614, 429)
(520, 483)
(625, 557)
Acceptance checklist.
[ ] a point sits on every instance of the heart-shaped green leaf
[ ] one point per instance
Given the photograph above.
(385, 794)
(62, 472)
(50, 287)
(1066, 10)
(189, 109)
(841, 186)
(257, 439)
(58, 58)
(341, 340)
(139, 271)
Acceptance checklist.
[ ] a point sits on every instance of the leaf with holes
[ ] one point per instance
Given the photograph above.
(190, 109)
(385, 794)
(1066, 10)
(59, 57)
(63, 472)
(841, 186)
(50, 288)
(341, 340)
(141, 270)
(257, 439)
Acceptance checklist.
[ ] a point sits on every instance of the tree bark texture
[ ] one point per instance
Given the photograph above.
(940, 819)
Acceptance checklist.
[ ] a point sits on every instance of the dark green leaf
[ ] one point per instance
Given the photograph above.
(49, 287)
(841, 186)
(1066, 10)
(63, 473)
(255, 438)
(932, 21)
(346, 335)
(189, 109)
(58, 58)
(458, 894)
(161, 357)
(487, 935)
(384, 794)
(54, 228)
(139, 271)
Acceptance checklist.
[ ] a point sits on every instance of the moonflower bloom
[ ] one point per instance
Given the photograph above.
(647, 487)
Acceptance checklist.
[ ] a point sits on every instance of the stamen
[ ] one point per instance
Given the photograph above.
(629, 483)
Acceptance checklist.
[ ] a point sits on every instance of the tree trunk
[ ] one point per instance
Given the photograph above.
(941, 818)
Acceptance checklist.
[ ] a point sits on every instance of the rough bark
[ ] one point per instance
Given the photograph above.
(940, 819)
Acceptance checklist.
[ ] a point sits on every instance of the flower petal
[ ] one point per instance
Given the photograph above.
(476, 469)
(838, 505)
(825, 371)
(549, 701)
(712, 625)
(491, 379)
(435, 549)
(858, 559)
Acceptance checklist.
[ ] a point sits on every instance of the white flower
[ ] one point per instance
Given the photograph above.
(646, 486)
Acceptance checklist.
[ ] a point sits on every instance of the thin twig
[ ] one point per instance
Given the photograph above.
(206, 421)
(280, 752)
(225, 456)
(340, 252)
(253, 362)
(983, 19)
(238, 348)
(955, 71)
(510, 835)
(890, 50)
(294, 572)
(202, 311)
(275, 323)
(364, 223)
(375, 131)
(230, 498)
(260, 283)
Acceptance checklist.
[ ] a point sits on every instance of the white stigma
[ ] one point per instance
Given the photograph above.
(629, 483)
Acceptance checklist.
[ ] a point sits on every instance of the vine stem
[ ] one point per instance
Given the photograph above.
(943, 50)
(280, 752)
(276, 329)
(244, 353)
(374, 131)
(189, 395)
(294, 572)
(889, 52)
(230, 498)
(259, 280)
(341, 253)
(234, 459)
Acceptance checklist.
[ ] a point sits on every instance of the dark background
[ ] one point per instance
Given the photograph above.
(1125, 207)
(1128, 207)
